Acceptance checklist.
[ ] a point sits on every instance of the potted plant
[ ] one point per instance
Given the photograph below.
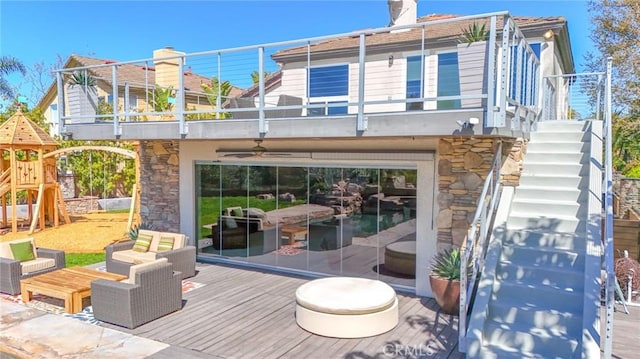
(82, 96)
(445, 280)
(472, 63)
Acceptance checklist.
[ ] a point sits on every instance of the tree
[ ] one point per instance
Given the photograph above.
(615, 33)
(8, 65)
(101, 173)
(36, 115)
(255, 76)
(216, 89)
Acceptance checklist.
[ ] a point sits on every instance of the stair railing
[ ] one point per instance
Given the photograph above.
(474, 248)
(608, 222)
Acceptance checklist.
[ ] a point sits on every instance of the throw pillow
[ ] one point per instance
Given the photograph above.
(237, 212)
(142, 242)
(166, 243)
(22, 251)
(230, 223)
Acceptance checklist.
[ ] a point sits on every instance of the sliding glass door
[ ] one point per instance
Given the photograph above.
(321, 219)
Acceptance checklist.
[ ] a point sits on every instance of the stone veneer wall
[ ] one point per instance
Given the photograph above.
(159, 180)
(463, 165)
(81, 205)
(512, 164)
(628, 192)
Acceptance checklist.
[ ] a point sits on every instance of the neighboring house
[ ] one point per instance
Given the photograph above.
(136, 84)
(393, 130)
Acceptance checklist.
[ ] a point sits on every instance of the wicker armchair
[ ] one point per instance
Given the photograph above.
(11, 270)
(154, 290)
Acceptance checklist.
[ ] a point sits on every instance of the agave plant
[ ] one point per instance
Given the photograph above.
(83, 78)
(446, 264)
(474, 33)
(135, 230)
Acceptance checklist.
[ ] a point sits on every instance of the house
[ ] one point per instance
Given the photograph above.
(350, 143)
(136, 89)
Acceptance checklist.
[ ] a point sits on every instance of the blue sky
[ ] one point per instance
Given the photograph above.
(36, 31)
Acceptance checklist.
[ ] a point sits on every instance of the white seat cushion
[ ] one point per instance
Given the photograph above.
(131, 256)
(139, 267)
(346, 295)
(37, 264)
(5, 247)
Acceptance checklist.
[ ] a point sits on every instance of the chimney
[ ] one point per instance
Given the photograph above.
(167, 69)
(402, 12)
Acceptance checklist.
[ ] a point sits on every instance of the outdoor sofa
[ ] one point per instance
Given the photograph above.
(122, 255)
(152, 290)
(20, 259)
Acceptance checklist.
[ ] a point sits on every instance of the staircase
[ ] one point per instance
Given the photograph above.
(534, 287)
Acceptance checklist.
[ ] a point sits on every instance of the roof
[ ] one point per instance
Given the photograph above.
(134, 74)
(436, 33)
(19, 130)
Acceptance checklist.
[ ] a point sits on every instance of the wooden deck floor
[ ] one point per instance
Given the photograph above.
(241, 313)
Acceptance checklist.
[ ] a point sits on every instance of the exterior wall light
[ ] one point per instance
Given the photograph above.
(390, 60)
(548, 35)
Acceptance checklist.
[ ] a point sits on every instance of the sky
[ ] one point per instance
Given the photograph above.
(43, 31)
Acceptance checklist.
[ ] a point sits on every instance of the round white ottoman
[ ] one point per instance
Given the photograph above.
(346, 307)
(400, 257)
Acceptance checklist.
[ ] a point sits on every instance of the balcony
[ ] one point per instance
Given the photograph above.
(412, 80)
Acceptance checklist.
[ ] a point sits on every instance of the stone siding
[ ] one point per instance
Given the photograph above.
(512, 164)
(463, 164)
(159, 185)
(67, 185)
(628, 193)
(82, 205)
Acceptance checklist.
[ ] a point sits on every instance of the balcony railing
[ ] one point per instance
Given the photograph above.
(352, 74)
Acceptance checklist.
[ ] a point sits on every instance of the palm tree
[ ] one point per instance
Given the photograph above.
(9, 64)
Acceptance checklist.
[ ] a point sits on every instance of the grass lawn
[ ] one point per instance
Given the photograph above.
(83, 259)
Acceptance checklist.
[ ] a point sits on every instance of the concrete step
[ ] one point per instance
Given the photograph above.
(548, 192)
(569, 224)
(493, 351)
(557, 157)
(536, 342)
(560, 136)
(546, 207)
(541, 257)
(553, 321)
(563, 126)
(568, 279)
(554, 180)
(530, 168)
(536, 296)
(558, 147)
(544, 239)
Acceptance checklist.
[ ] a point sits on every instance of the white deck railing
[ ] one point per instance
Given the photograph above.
(376, 80)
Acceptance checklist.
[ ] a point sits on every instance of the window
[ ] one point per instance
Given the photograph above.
(536, 49)
(448, 80)
(328, 110)
(414, 82)
(329, 81)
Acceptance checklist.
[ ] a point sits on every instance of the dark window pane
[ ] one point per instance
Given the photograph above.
(329, 81)
(448, 80)
(414, 82)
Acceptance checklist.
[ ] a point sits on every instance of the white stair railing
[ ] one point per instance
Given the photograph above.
(474, 248)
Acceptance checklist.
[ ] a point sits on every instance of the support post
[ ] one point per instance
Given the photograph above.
(361, 121)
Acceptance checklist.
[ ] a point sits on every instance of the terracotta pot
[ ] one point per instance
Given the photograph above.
(446, 293)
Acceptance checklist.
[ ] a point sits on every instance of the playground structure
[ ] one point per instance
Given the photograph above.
(31, 168)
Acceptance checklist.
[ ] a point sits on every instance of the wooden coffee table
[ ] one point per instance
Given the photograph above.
(292, 232)
(70, 284)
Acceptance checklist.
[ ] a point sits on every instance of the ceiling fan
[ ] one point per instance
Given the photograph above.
(257, 151)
